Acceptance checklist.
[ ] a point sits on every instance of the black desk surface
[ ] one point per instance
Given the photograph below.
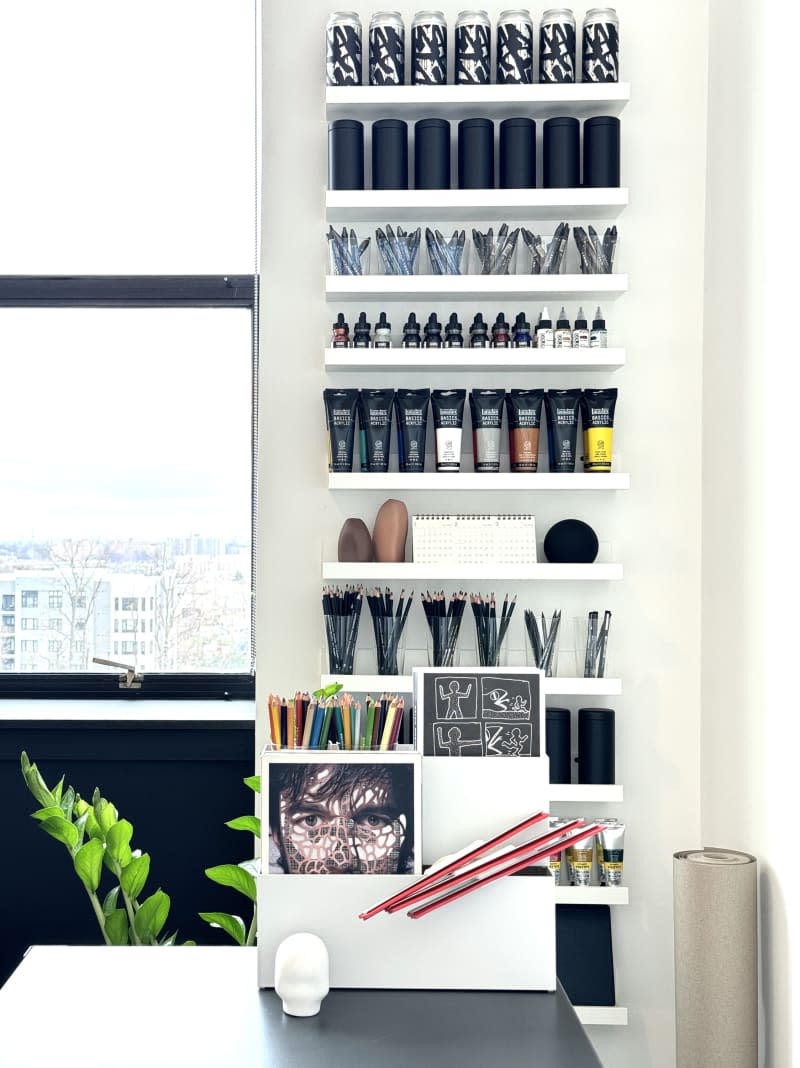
(127, 1008)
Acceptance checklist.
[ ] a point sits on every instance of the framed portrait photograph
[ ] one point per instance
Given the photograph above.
(342, 813)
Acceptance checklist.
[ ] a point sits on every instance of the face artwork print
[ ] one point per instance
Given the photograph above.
(339, 819)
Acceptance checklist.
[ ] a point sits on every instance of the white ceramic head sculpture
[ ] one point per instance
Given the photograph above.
(302, 974)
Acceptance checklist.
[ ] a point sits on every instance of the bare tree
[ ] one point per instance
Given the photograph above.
(175, 590)
(80, 563)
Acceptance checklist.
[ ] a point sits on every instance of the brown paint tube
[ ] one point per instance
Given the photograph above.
(524, 408)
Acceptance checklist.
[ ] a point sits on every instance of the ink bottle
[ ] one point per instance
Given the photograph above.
(411, 338)
(453, 338)
(545, 338)
(522, 332)
(383, 333)
(478, 333)
(501, 338)
(563, 334)
(361, 338)
(598, 339)
(433, 333)
(341, 333)
(580, 335)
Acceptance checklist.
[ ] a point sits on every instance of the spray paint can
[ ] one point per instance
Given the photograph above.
(429, 49)
(601, 45)
(557, 45)
(343, 61)
(473, 48)
(387, 49)
(515, 47)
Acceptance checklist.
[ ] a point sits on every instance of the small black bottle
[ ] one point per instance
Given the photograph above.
(522, 332)
(341, 333)
(361, 338)
(501, 335)
(383, 333)
(478, 333)
(411, 338)
(453, 338)
(433, 333)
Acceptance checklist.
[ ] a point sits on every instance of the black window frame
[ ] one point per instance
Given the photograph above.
(144, 291)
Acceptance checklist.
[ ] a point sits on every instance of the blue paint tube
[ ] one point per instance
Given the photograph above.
(411, 410)
(375, 420)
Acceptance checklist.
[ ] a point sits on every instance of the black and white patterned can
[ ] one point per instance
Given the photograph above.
(343, 60)
(515, 47)
(429, 49)
(557, 46)
(473, 48)
(601, 45)
(387, 49)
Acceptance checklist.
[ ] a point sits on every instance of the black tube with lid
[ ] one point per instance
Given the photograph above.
(557, 743)
(476, 154)
(345, 154)
(596, 745)
(390, 154)
(561, 154)
(432, 154)
(601, 152)
(518, 154)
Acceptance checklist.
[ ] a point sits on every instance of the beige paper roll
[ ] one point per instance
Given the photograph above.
(716, 959)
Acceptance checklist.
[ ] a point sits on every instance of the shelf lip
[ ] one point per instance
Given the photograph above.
(440, 205)
(403, 684)
(396, 480)
(379, 361)
(457, 101)
(456, 572)
(475, 286)
(599, 1015)
(580, 792)
(591, 895)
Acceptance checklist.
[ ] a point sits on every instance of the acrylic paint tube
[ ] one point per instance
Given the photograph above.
(524, 420)
(340, 418)
(579, 862)
(612, 844)
(555, 861)
(448, 418)
(411, 410)
(561, 406)
(602, 821)
(375, 420)
(486, 407)
(597, 414)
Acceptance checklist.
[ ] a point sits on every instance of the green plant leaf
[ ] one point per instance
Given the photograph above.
(170, 940)
(234, 876)
(80, 827)
(93, 828)
(88, 863)
(60, 829)
(57, 789)
(254, 782)
(190, 942)
(117, 927)
(234, 925)
(35, 782)
(329, 690)
(105, 814)
(246, 823)
(67, 801)
(134, 876)
(152, 916)
(110, 901)
(118, 842)
(81, 806)
(46, 813)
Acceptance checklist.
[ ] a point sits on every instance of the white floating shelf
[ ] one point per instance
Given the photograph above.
(475, 286)
(442, 205)
(464, 101)
(432, 480)
(591, 1015)
(477, 572)
(591, 895)
(581, 793)
(379, 361)
(402, 684)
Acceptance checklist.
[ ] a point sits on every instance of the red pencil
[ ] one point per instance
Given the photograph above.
(459, 862)
(417, 914)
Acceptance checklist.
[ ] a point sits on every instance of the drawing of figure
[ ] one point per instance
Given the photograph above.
(499, 699)
(520, 704)
(514, 743)
(453, 698)
(454, 740)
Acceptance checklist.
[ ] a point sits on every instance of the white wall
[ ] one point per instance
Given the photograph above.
(750, 571)
(655, 528)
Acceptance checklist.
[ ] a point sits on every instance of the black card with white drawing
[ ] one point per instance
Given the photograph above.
(489, 712)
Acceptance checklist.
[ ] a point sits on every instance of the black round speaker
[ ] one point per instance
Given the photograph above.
(570, 542)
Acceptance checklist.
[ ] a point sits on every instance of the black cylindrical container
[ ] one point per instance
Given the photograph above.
(343, 60)
(518, 154)
(389, 154)
(601, 152)
(596, 745)
(476, 154)
(345, 154)
(432, 154)
(561, 155)
(557, 744)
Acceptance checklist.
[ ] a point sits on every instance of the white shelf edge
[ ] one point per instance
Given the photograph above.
(474, 286)
(581, 793)
(420, 205)
(553, 687)
(456, 572)
(591, 895)
(432, 480)
(602, 1015)
(379, 361)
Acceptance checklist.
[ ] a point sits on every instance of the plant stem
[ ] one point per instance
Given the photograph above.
(128, 906)
(98, 911)
(251, 934)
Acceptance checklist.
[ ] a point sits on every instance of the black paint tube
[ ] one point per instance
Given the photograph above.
(411, 409)
(486, 408)
(597, 415)
(375, 420)
(340, 417)
(448, 419)
(561, 406)
(524, 421)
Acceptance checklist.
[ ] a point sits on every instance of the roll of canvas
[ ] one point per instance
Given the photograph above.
(716, 959)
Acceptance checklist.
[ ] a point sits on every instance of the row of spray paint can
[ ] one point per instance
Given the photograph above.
(500, 335)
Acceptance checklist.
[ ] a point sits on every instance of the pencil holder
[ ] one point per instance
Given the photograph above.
(543, 636)
(543, 253)
(593, 653)
(495, 251)
(556, 663)
(446, 253)
(398, 250)
(445, 648)
(348, 252)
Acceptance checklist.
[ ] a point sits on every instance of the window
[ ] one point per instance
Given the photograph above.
(8, 645)
(8, 621)
(29, 623)
(115, 297)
